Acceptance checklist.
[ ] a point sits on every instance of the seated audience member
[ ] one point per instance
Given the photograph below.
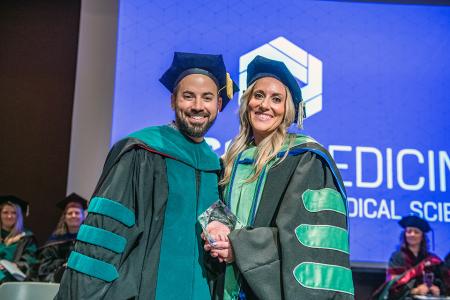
(54, 254)
(413, 270)
(17, 245)
(446, 273)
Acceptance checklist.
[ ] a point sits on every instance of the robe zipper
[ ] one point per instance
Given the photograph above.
(197, 196)
(197, 188)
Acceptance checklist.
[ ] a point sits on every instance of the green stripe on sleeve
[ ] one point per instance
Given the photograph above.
(323, 236)
(324, 277)
(102, 238)
(92, 267)
(112, 209)
(324, 199)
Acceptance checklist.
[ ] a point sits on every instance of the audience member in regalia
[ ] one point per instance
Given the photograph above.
(17, 245)
(413, 270)
(54, 254)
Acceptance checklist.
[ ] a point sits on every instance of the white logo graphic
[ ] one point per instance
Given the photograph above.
(304, 67)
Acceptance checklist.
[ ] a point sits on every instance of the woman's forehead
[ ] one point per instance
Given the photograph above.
(8, 206)
(412, 229)
(269, 82)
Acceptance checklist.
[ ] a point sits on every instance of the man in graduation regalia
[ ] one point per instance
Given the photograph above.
(142, 239)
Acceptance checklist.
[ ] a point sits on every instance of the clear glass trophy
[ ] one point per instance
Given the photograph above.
(219, 212)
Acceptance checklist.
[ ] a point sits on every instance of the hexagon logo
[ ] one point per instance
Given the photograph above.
(304, 67)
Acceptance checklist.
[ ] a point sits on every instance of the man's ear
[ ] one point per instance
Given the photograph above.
(219, 104)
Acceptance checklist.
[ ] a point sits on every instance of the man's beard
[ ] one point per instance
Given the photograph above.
(192, 130)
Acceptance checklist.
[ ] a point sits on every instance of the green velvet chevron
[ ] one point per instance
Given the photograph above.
(323, 236)
(324, 277)
(103, 238)
(92, 267)
(112, 209)
(324, 199)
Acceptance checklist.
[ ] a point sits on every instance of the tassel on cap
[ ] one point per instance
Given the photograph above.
(229, 86)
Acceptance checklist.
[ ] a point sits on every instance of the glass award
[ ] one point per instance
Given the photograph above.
(219, 212)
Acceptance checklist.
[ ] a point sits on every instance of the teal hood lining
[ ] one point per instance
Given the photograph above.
(171, 143)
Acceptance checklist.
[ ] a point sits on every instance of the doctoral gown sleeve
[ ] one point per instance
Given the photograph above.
(108, 261)
(304, 254)
(51, 260)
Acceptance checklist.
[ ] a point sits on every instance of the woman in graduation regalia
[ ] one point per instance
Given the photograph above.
(287, 192)
(17, 245)
(54, 254)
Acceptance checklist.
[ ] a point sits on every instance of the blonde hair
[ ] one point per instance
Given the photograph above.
(18, 231)
(269, 147)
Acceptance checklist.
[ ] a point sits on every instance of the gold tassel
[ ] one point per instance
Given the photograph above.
(229, 86)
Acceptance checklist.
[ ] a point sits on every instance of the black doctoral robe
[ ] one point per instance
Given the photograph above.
(53, 257)
(118, 252)
(285, 255)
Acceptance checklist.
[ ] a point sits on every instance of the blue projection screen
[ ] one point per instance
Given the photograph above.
(375, 78)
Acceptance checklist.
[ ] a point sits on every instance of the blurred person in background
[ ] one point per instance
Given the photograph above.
(17, 245)
(413, 269)
(54, 254)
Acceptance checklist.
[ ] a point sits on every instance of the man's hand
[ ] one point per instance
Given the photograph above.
(217, 228)
(216, 231)
(223, 251)
(221, 247)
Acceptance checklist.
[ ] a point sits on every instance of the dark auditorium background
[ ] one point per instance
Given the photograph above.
(38, 56)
